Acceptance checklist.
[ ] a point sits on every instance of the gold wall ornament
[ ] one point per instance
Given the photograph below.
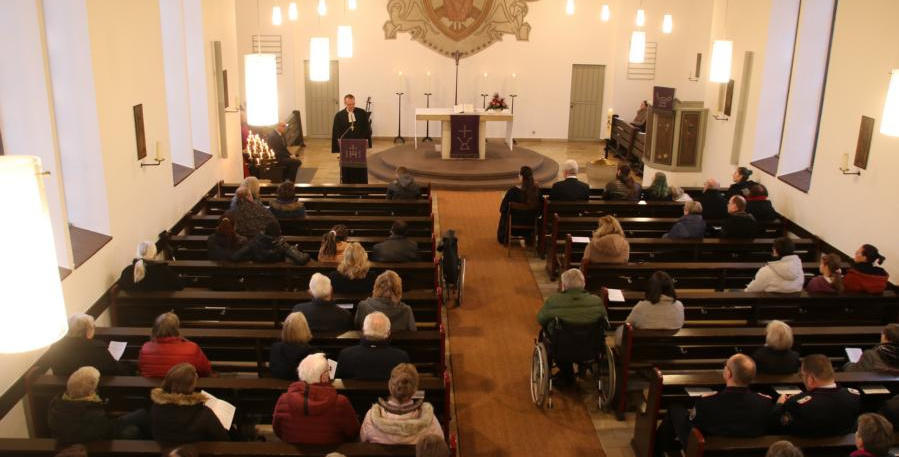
(457, 26)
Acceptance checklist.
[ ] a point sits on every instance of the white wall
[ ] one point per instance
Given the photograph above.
(543, 64)
(127, 66)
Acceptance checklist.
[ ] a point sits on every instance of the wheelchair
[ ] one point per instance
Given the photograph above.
(583, 345)
(451, 269)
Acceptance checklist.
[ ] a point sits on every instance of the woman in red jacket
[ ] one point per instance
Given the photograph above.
(864, 276)
(167, 348)
(312, 412)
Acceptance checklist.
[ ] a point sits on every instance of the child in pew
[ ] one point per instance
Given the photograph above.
(78, 415)
(333, 244)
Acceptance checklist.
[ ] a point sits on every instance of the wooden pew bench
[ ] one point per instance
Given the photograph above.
(375, 226)
(193, 247)
(687, 275)
(254, 398)
(347, 191)
(667, 388)
(319, 206)
(286, 276)
(249, 309)
(247, 350)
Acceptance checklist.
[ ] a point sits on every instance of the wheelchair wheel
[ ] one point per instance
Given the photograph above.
(539, 375)
(606, 378)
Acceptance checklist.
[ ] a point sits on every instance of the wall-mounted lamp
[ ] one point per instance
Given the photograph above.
(844, 167)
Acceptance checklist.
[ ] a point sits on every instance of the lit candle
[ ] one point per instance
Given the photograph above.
(399, 81)
(158, 153)
(429, 82)
(486, 85)
(514, 86)
(845, 165)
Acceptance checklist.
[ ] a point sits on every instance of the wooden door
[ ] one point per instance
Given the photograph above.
(322, 102)
(585, 116)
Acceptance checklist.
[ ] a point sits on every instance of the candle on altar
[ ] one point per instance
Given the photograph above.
(399, 81)
(429, 81)
(513, 87)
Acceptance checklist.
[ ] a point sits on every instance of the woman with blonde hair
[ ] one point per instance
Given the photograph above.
(147, 273)
(286, 355)
(400, 419)
(777, 355)
(608, 244)
(167, 348)
(179, 414)
(353, 275)
(830, 281)
(251, 184)
(333, 244)
(387, 298)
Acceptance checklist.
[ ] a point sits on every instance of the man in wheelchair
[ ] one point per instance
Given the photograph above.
(572, 309)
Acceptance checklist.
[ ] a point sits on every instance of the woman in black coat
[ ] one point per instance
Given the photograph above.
(179, 415)
(523, 201)
(286, 355)
(741, 182)
(777, 355)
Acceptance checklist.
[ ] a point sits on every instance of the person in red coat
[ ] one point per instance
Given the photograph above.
(864, 276)
(167, 348)
(311, 411)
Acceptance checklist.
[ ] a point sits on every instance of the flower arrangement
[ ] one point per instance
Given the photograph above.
(497, 103)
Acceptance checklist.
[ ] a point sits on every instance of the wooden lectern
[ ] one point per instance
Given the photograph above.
(353, 164)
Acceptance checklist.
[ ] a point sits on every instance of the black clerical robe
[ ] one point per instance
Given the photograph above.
(361, 130)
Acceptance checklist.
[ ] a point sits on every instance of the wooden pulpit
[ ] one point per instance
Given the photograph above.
(353, 161)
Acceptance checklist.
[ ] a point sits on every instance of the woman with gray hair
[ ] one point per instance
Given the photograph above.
(387, 298)
(147, 273)
(777, 355)
(400, 419)
(167, 348)
(691, 225)
(79, 348)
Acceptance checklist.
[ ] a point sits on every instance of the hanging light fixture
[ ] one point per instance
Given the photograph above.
(292, 12)
(261, 76)
(276, 15)
(322, 8)
(351, 4)
(889, 125)
(29, 275)
(605, 14)
(638, 47)
(319, 59)
(667, 24)
(641, 17)
(569, 8)
(344, 41)
(722, 54)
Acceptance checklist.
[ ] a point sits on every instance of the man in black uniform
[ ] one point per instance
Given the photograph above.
(823, 410)
(349, 123)
(735, 411)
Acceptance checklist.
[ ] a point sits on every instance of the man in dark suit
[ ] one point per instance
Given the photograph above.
(735, 411)
(714, 205)
(373, 358)
(322, 314)
(396, 248)
(79, 348)
(278, 145)
(739, 224)
(569, 188)
(351, 122)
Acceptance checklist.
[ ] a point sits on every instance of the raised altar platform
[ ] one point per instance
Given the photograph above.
(499, 170)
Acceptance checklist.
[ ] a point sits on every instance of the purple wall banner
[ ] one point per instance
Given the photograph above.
(464, 131)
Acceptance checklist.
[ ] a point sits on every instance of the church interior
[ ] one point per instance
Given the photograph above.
(138, 113)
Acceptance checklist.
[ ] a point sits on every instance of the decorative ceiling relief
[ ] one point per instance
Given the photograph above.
(458, 27)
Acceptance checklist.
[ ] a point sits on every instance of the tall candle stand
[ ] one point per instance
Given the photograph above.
(427, 123)
(484, 97)
(512, 96)
(399, 121)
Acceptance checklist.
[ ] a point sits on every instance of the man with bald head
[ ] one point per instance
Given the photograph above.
(714, 205)
(734, 411)
(374, 357)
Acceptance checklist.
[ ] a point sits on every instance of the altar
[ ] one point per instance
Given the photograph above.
(445, 115)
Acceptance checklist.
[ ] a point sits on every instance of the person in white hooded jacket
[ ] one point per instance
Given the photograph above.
(783, 275)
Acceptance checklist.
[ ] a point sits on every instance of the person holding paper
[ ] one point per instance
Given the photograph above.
(179, 414)
(285, 355)
(311, 411)
(883, 357)
(373, 358)
(350, 122)
(322, 313)
(823, 410)
(777, 355)
(735, 411)
(79, 348)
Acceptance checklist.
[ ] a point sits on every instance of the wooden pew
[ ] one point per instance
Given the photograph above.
(627, 142)
(247, 350)
(341, 206)
(286, 276)
(348, 191)
(255, 398)
(687, 275)
(246, 309)
(193, 247)
(704, 309)
(709, 348)
(376, 226)
(668, 388)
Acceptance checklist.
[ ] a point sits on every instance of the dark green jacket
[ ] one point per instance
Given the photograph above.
(575, 306)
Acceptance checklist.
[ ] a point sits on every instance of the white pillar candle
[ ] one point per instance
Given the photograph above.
(158, 152)
(845, 162)
(429, 82)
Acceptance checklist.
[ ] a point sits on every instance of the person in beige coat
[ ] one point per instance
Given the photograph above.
(608, 244)
(400, 419)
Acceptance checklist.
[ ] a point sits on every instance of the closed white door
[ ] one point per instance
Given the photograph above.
(322, 102)
(585, 116)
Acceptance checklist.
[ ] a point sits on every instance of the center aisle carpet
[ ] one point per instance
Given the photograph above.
(491, 340)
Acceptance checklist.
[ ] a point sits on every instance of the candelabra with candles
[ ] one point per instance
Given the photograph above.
(258, 150)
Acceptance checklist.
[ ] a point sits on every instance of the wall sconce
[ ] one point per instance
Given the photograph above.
(844, 167)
